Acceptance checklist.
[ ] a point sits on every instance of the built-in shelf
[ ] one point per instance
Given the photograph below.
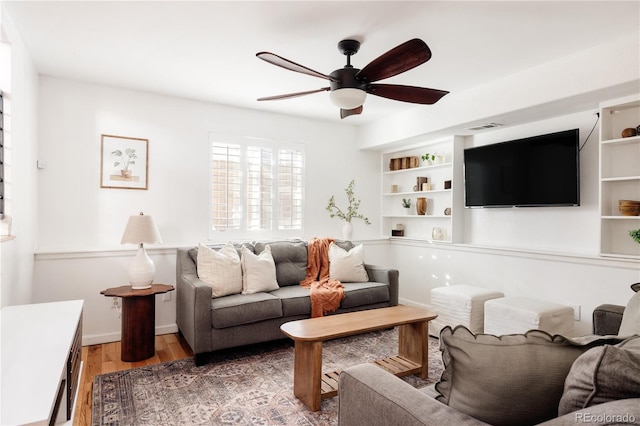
(401, 184)
(619, 177)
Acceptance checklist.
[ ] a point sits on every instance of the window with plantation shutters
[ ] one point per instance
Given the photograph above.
(226, 181)
(257, 187)
(290, 169)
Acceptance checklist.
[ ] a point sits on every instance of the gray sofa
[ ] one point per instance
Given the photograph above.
(209, 324)
(604, 378)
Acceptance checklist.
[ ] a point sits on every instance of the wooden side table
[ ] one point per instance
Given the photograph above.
(138, 319)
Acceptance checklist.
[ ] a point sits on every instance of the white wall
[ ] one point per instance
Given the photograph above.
(549, 253)
(566, 279)
(554, 229)
(21, 100)
(80, 225)
(77, 213)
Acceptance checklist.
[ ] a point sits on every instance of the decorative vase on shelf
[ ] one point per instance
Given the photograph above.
(421, 206)
(347, 231)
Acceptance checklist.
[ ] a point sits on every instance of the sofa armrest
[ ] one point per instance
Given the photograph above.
(193, 304)
(370, 396)
(607, 319)
(388, 276)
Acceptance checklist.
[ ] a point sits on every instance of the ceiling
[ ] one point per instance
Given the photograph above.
(205, 50)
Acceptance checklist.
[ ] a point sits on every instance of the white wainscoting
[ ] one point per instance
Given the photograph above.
(564, 278)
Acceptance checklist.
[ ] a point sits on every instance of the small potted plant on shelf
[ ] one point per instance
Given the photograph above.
(406, 204)
(635, 234)
(428, 158)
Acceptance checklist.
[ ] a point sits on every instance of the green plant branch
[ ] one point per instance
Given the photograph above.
(352, 208)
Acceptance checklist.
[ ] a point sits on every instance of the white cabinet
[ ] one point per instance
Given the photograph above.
(41, 347)
(444, 201)
(619, 176)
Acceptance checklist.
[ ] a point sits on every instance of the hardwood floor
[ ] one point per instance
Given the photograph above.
(105, 358)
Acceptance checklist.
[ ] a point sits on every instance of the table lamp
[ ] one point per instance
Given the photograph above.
(141, 229)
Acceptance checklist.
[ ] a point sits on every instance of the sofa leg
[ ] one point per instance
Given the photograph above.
(201, 359)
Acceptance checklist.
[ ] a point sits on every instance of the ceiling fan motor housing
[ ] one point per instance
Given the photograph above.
(346, 79)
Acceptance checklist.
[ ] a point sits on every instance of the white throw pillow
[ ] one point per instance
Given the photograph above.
(631, 317)
(347, 266)
(258, 271)
(220, 269)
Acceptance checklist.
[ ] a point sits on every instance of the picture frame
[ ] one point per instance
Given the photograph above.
(124, 162)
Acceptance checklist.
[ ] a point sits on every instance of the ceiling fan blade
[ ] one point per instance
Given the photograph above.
(290, 65)
(293, 95)
(402, 58)
(347, 112)
(416, 95)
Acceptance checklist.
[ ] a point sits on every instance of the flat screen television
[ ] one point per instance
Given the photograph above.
(530, 172)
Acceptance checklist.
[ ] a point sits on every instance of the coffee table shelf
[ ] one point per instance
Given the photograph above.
(399, 366)
(395, 365)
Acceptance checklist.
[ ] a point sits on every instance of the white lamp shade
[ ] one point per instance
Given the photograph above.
(141, 229)
(348, 98)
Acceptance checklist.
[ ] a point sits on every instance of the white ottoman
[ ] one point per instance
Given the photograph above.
(516, 315)
(460, 305)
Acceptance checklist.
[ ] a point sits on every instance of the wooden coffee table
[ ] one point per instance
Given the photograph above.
(311, 386)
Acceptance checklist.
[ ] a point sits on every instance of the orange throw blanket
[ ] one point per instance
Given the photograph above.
(326, 293)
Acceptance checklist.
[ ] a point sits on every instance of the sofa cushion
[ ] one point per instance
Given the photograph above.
(258, 271)
(602, 374)
(506, 380)
(360, 294)
(296, 300)
(347, 265)
(290, 258)
(238, 309)
(220, 269)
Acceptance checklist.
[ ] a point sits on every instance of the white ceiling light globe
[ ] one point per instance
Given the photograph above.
(348, 98)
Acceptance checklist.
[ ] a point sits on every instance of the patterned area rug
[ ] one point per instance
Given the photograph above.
(246, 386)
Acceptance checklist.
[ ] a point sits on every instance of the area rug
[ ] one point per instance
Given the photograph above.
(247, 386)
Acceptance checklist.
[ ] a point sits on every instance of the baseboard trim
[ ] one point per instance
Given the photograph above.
(98, 339)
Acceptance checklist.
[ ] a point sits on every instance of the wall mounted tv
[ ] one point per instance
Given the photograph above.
(531, 172)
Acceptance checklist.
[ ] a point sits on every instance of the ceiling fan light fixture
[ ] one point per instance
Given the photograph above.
(348, 98)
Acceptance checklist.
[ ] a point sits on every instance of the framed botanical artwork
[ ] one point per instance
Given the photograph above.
(124, 162)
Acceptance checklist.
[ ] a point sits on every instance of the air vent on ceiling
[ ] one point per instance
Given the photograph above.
(485, 126)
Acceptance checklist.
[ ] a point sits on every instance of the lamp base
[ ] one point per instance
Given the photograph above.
(140, 287)
(141, 271)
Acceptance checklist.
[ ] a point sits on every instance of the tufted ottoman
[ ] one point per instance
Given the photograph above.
(460, 305)
(514, 315)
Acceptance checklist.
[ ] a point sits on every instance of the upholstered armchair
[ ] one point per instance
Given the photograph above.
(607, 318)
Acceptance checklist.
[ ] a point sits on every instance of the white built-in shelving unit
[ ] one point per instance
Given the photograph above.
(619, 176)
(447, 168)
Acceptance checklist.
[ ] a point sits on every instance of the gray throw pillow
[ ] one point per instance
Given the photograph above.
(290, 258)
(603, 374)
(506, 380)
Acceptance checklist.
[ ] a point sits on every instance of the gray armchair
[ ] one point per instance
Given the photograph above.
(607, 318)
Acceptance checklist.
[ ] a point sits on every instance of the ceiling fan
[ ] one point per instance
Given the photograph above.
(349, 86)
